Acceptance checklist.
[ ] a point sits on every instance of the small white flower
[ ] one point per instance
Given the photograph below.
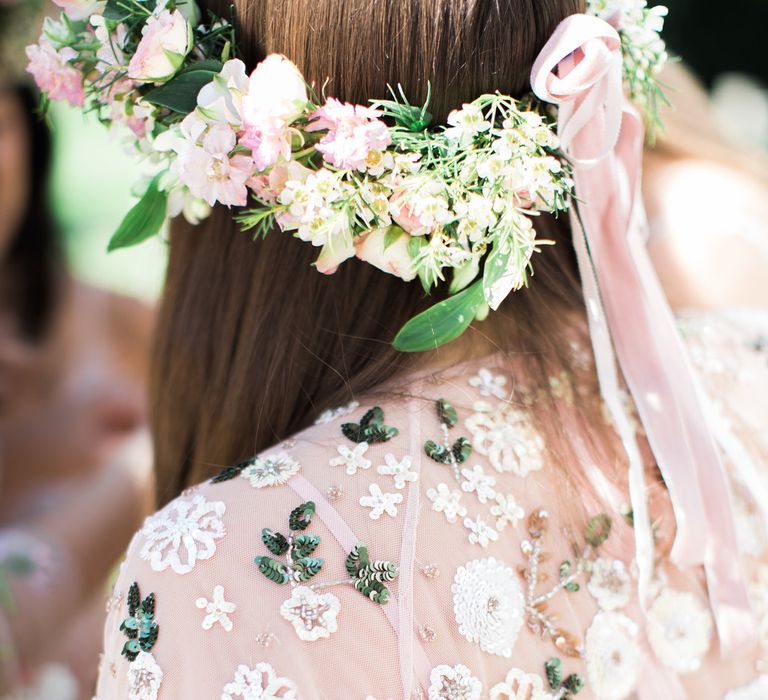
(453, 683)
(506, 511)
(272, 470)
(477, 480)
(380, 502)
(519, 685)
(447, 502)
(217, 610)
(313, 615)
(183, 533)
(757, 690)
(400, 471)
(333, 413)
(480, 532)
(679, 629)
(144, 677)
(609, 583)
(259, 683)
(465, 123)
(488, 605)
(352, 459)
(489, 384)
(612, 656)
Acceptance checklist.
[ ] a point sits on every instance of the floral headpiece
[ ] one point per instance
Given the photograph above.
(376, 182)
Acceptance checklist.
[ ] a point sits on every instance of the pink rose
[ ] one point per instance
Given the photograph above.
(81, 9)
(277, 96)
(404, 216)
(54, 74)
(387, 249)
(161, 51)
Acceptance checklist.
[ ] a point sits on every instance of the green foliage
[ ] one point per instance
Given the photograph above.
(232, 471)
(370, 577)
(574, 683)
(274, 541)
(144, 220)
(305, 568)
(304, 545)
(140, 626)
(301, 516)
(180, 93)
(274, 570)
(403, 113)
(598, 529)
(446, 413)
(572, 587)
(457, 454)
(370, 429)
(441, 323)
(554, 670)
(356, 558)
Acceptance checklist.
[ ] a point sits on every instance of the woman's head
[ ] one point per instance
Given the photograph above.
(253, 341)
(28, 249)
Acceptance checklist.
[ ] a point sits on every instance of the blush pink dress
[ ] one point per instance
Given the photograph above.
(423, 543)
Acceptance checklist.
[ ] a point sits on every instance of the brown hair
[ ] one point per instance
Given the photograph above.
(253, 342)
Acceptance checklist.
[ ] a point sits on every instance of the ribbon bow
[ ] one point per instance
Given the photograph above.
(580, 69)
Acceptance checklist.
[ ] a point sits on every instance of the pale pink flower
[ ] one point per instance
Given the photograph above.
(163, 46)
(353, 132)
(383, 248)
(419, 211)
(277, 96)
(222, 99)
(211, 173)
(269, 186)
(338, 248)
(53, 73)
(80, 9)
(110, 51)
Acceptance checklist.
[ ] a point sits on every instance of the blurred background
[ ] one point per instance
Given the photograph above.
(75, 321)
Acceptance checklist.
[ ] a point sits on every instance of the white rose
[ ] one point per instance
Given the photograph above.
(164, 43)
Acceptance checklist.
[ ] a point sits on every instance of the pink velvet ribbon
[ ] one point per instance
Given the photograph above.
(580, 70)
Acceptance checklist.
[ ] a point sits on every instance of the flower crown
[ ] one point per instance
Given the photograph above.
(376, 182)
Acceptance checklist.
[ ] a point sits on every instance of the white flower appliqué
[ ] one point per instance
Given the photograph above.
(453, 683)
(217, 610)
(259, 683)
(488, 605)
(183, 533)
(144, 677)
(313, 615)
(609, 583)
(757, 690)
(477, 480)
(333, 413)
(612, 656)
(506, 511)
(446, 501)
(480, 532)
(272, 470)
(489, 384)
(519, 685)
(400, 471)
(679, 628)
(380, 502)
(352, 459)
(505, 435)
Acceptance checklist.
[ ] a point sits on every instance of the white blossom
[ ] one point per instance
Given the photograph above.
(477, 481)
(259, 683)
(480, 532)
(272, 470)
(380, 502)
(400, 471)
(144, 677)
(446, 501)
(465, 123)
(519, 685)
(612, 656)
(217, 610)
(757, 690)
(352, 459)
(453, 683)
(489, 384)
(609, 583)
(313, 615)
(506, 511)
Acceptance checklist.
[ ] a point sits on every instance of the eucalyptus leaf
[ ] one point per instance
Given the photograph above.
(180, 93)
(144, 220)
(441, 323)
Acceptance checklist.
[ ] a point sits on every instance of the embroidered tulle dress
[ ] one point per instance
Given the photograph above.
(420, 543)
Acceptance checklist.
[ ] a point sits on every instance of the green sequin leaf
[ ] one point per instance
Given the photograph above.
(304, 569)
(274, 570)
(356, 559)
(457, 454)
(574, 683)
(304, 545)
(274, 541)
(301, 516)
(231, 472)
(447, 413)
(140, 626)
(374, 590)
(370, 429)
(572, 587)
(598, 529)
(554, 670)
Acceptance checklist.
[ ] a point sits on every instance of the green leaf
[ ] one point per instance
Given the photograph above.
(447, 413)
(304, 545)
(565, 568)
(274, 570)
(457, 454)
(441, 323)
(115, 10)
(301, 516)
(144, 220)
(598, 529)
(572, 587)
(307, 567)
(574, 683)
(180, 93)
(461, 449)
(370, 429)
(464, 275)
(274, 541)
(554, 670)
(495, 288)
(356, 559)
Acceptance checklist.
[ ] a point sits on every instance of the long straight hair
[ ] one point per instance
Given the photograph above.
(252, 341)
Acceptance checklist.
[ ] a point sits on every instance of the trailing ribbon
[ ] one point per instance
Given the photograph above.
(580, 70)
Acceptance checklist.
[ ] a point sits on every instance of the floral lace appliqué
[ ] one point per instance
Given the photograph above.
(313, 615)
(272, 470)
(480, 532)
(489, 384)
(609, 583)
(380, 502)
(182, 534)
(259, 683)
(488, 605)
(453, 683)
(478, 482)
(352, 459)
(216, 610)
(612, 656)
(519, 685)
(400, 471)
(757, 690)
(144, 677)
(447, 501)
(506, 511)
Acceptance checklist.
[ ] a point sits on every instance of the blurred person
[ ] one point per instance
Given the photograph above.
(74, 457)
